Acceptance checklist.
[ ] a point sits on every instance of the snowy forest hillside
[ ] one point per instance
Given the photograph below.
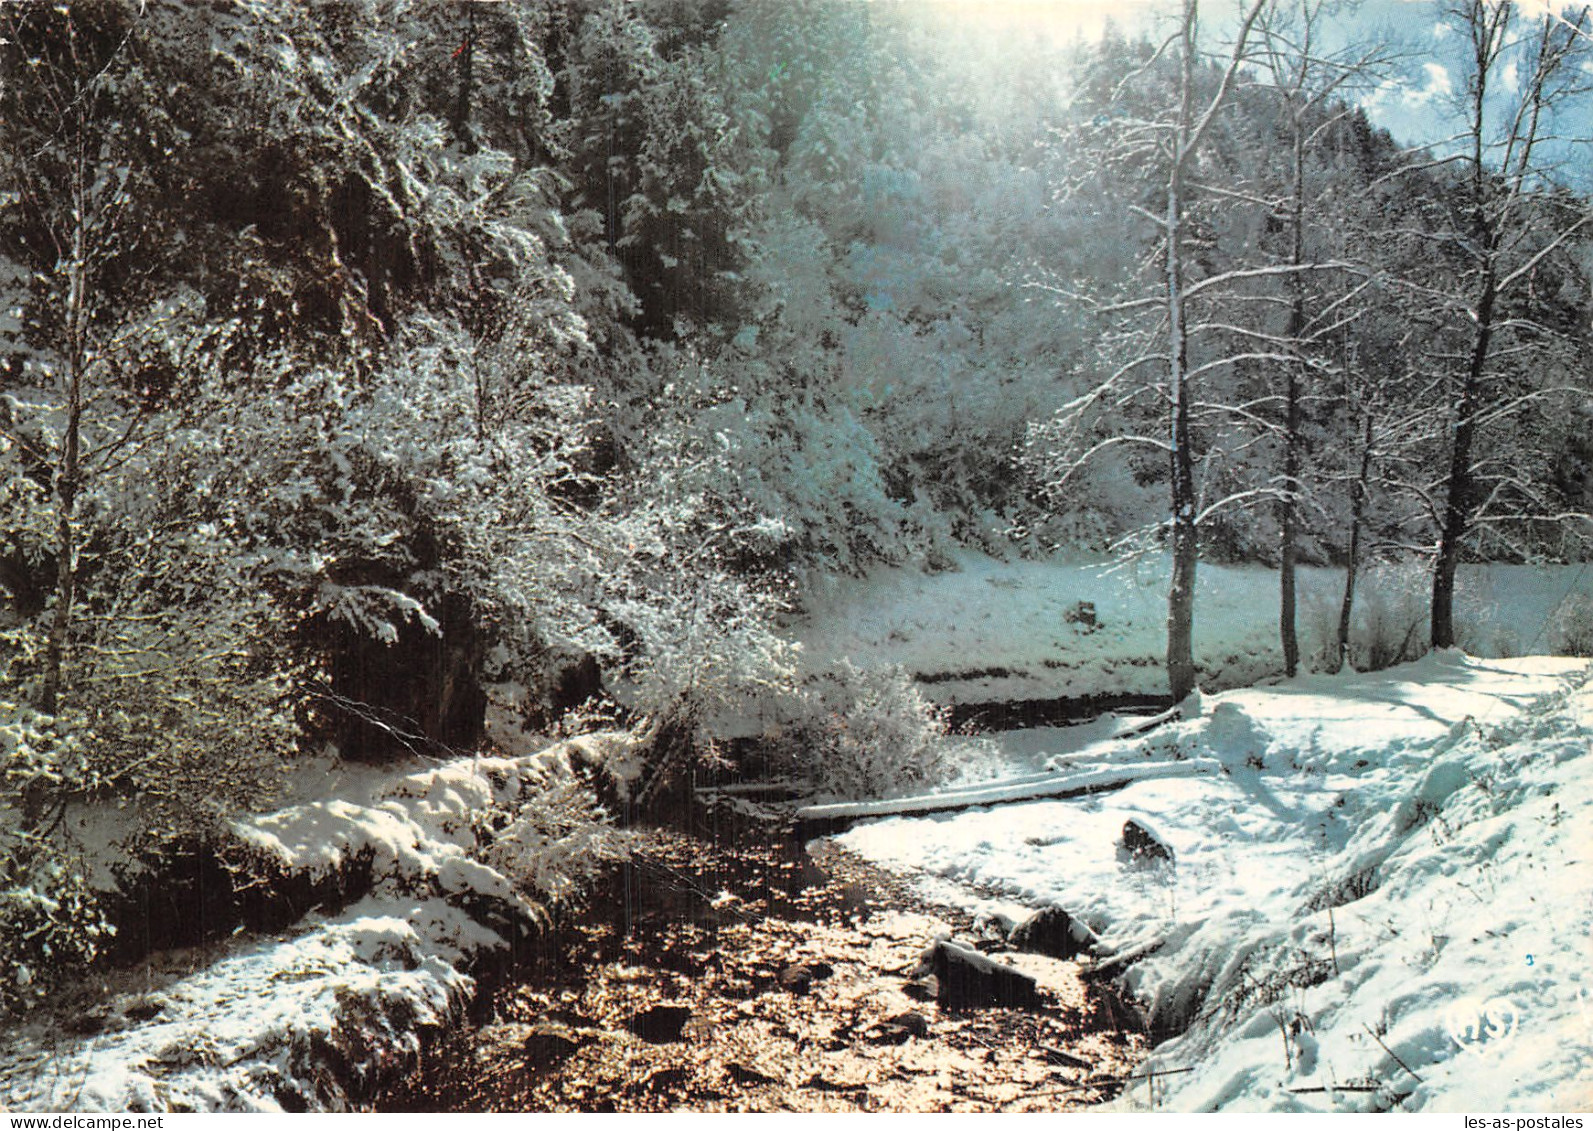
(388, 382)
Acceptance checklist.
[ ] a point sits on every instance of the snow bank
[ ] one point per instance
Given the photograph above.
(299, 1023)
(995, 631)
(454, 859)
(1378, 895)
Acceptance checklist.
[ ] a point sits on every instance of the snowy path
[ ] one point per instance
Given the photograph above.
(1108, 763)
(1076, 782)
(1395, 859)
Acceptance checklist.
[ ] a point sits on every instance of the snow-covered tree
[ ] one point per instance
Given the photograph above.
(1166, 366)
(1309, 83)
(1502, 347)
(655, 156)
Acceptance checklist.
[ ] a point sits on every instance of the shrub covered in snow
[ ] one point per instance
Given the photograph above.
(552, 846)
(1573, 627)
(50, 920)
(174, 720)
(1392, 620)
(864, 733)
(711, 654)
(693, 609)
(523, 833)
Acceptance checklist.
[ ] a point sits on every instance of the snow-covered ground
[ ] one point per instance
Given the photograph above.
(313, 1017)
(1381, 892)
(994, 631)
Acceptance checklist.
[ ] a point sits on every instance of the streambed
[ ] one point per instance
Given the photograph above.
(730, 967)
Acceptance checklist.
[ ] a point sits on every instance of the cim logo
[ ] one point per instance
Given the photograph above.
(1473, 1022)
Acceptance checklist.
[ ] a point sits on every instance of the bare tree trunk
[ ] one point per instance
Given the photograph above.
(1341, 648)
(65, 594)
(1189, 133)
(463, 135)
(1488, 26)
(68, 472)
(1458, 502)
(1288, 538)
(1181, 609)
(1181, 591)
(1288, 503)
(1307, 80)
(1178, 138)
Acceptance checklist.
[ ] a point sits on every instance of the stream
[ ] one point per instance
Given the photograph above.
(728, 967)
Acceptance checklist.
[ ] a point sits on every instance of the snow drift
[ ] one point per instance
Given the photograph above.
(1377, 895)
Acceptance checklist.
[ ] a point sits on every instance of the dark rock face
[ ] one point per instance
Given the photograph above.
(900, 1029)
(548, 1046)
(421, 693)
(576, 684)
(966, 979)
(798, 979)
(660, 1024)
(1054, 932)
(1143, 845)
(571, 682)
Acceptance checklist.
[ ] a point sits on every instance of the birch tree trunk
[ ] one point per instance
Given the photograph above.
(68, 470)
(1181, 590)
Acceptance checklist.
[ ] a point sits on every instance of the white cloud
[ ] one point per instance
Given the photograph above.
(1393, 94)
(1438, 85)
